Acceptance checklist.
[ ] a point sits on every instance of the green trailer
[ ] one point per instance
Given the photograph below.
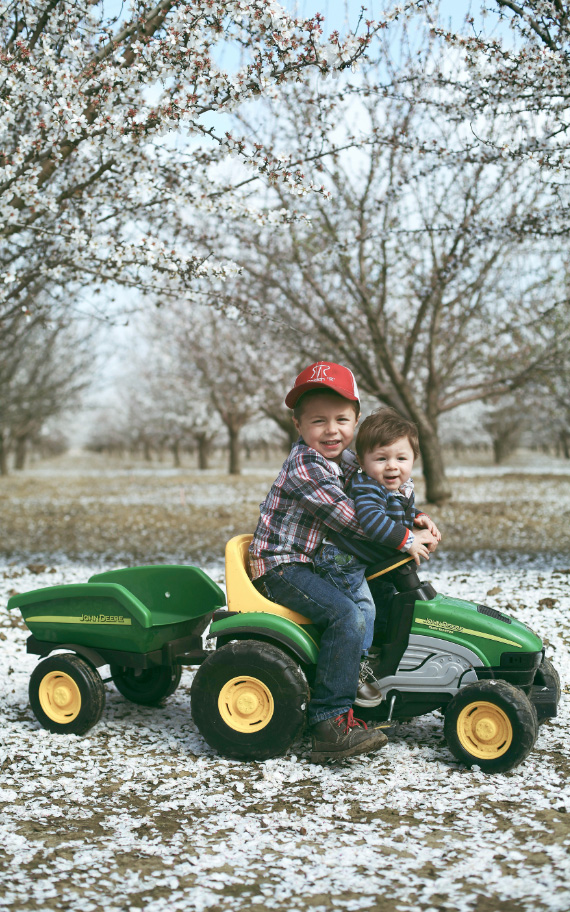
(146, 623)
(487, 672)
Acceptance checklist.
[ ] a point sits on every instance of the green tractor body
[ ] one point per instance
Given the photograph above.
(478, 629)
(488, 633)
(486, 671)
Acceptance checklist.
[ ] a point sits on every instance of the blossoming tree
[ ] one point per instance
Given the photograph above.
(515, 55)
(101, 119)
(43, 370)
(413, 272)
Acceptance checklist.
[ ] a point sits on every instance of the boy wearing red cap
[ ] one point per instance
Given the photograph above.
(305, 501)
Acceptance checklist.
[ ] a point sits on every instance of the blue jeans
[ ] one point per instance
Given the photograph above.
(297, 586)
(347, 573)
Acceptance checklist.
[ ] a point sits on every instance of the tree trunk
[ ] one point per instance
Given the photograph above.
(505, 427)
(565, 443)
(437, 485)
(175, 449)
(3, 455)
(235, 455)
(204, 449)
(21, 451)
(502, 448)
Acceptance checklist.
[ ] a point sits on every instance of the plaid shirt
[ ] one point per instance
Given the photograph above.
(305, 500)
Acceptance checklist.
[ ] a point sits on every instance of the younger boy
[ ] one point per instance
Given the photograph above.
(383, 493)
(306, 501)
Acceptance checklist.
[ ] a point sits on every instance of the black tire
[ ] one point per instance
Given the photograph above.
(263, 681)
(67, 694)
(546, 705)
(547, 676)
(491, 724)
(149, 687)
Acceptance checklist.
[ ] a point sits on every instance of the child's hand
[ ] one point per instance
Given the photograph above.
(424, 522)
(421, 545)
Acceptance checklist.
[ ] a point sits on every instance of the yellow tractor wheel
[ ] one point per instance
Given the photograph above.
(249, 700)
(246, 704)
(66, 694)
(60, 697)
(491, 724)
(484, 730)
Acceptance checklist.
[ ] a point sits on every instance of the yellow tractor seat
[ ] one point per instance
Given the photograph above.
(242, 595)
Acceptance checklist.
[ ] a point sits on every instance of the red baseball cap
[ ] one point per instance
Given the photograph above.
(324, 374)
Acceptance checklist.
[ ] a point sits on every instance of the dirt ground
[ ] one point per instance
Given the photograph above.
(80, 507)
(141, 814)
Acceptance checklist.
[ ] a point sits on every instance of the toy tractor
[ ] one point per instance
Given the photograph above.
(485, 670)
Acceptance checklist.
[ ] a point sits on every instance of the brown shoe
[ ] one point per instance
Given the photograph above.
(344, 736)
(368, 693)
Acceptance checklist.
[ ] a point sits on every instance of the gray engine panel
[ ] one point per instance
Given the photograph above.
(434, 665)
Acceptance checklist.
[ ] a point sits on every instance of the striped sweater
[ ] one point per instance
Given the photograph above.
(385, 517)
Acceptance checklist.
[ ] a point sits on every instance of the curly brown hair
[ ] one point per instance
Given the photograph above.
(383, 427)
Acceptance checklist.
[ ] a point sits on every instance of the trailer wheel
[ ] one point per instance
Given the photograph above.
(67, 694)
(492, 724)
(249, 700)
(147, 687)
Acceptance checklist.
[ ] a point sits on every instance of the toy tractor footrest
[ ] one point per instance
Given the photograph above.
(183, 651)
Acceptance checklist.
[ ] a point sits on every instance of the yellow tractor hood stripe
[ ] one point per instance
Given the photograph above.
(455, 628)
(89, 619)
